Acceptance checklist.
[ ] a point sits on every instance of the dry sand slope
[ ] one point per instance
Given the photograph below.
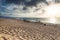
(11, 29)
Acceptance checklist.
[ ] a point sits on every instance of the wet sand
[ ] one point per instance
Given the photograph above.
(24, 30)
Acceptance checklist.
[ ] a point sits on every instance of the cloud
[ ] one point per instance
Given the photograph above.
(25, 2)
(58, 1)
(22, 8)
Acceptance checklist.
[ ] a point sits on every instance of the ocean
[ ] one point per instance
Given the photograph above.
(43, 20)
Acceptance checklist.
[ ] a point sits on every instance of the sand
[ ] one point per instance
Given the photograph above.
(24, 30)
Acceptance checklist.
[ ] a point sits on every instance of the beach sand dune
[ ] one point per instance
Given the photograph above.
(24, 30)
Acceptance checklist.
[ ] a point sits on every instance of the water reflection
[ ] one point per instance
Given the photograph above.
(52, 20)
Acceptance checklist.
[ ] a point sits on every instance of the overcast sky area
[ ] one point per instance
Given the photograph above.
(22, 8)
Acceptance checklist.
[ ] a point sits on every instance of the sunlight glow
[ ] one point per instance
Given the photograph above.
(52, 20)
(53, 10)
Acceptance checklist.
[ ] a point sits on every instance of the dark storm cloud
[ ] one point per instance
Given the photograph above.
(25, 2)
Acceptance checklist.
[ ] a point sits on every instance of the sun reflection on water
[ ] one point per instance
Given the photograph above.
(52, 20)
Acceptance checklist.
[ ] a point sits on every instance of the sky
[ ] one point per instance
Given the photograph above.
(23, 8)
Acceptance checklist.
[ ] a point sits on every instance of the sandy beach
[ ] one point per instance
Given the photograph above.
(24, 30)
